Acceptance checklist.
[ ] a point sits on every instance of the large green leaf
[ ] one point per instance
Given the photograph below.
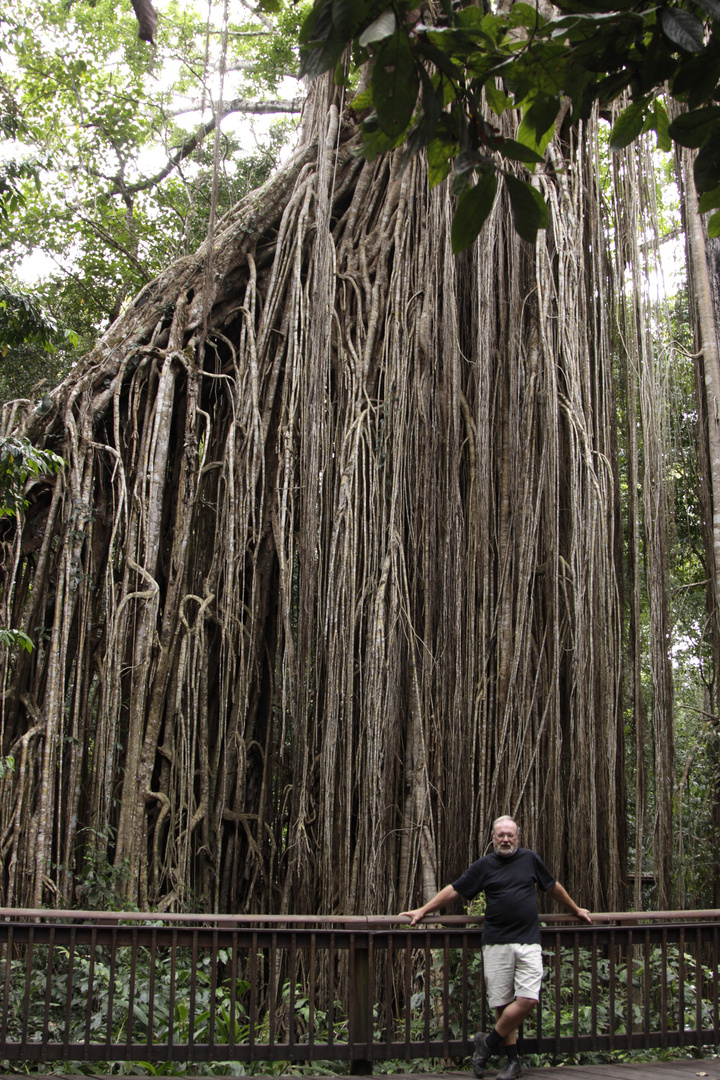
(710, 200)
(529, 209)
(707, 165)
(538, 123)
(714, 226)
(379, 29)
(693, 128)
(517, 151)
(439, 155)
(526, 15)
(661, 126)
(628, 126)
(697, 76)
(683, 28)
(472, 210)
(497, 100)
(395, 84)
(320, 45)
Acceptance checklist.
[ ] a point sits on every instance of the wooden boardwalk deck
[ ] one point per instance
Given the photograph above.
(702, 1069)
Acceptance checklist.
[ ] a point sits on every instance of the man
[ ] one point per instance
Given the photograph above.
(512, 956)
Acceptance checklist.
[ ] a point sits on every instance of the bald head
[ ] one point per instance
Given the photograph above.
(505, 834)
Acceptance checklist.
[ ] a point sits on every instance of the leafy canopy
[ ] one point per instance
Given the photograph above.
(429, 84)
(19, 461)
(107, 154)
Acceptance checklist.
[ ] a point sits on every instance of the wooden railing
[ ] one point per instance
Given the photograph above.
(89, 986)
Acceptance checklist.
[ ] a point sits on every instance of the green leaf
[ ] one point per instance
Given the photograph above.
(380, 29)
(697, 76)
(683, 28)
(395, 84)
(473, 208)
(439, 155)
(526, 15)
(320, 45)
(538, 123)
(714, 226)
(691, 129)
(375, 142)
(707, 165)
(529, 209)
(361, 101)
(497, 100)
(628, 126)
(660, 122)
(8, 638)
(343, 17)
(516, 151)
(710, 200)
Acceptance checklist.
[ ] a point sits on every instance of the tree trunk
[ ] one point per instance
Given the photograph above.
(350, 586)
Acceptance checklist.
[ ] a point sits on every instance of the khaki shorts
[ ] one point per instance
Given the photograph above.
(512, 971)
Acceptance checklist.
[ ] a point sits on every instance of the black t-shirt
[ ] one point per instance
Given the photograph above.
(508, 881)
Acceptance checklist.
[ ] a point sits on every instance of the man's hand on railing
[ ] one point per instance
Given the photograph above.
(415, 915)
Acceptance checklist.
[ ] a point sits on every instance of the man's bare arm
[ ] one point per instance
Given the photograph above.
(439, 900)
(563, 897)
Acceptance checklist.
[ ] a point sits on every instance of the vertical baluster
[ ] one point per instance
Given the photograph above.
(111, 992)
(663, 987)
(558, 976)
(68, 994)
(576, 991)
(26, 997)
(291, 999)
(465, 1032)
(173, 990)
(715, 994)
(331, 990)
(131, 991)
(629, 1012)
(389, 962)
(681, 986)
(90, 993)
(150, 1041)
(594, 990)
(213, 990)
(428, 1001)
(48, 992)
(6, 990)
(310, 994)
(646, 987)
(408, 995)
(254, 979)
(369, 992)
(611, 972)
(698, 988)
(446, 995)
(193, 996)
(273, 987)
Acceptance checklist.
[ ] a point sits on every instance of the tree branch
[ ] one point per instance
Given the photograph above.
(259, 108)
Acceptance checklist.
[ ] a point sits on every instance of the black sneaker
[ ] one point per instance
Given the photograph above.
(481, 1056)
(512, 1070)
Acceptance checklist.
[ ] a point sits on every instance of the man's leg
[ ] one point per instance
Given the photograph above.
(509, 1018)
(499, 968)
(528, 978)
